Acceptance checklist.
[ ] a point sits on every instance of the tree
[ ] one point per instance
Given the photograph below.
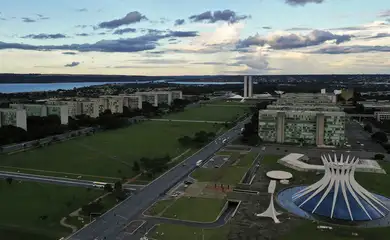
(108, 187)
(136, 167)
(379, 156)
(9, 180)
(118, 186)
(368, 128)
(380, 137)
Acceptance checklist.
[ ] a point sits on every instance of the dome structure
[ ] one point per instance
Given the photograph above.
(338, 196)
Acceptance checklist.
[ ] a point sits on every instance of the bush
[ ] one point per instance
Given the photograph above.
(379, 156)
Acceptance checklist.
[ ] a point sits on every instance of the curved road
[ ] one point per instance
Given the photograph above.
(110, 225)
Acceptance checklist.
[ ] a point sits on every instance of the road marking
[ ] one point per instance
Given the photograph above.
(143, 222)
(122, 217)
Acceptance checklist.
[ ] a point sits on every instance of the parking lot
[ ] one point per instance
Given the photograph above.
(358, 139)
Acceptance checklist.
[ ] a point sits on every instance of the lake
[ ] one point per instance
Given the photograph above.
(38, 87)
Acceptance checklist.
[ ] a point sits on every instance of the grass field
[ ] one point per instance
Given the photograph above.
(21, 205)
(107, 154)
(227, 174)
(179, 232)
(209, 113)
(232, 103)
(159, 207)
(195, 209)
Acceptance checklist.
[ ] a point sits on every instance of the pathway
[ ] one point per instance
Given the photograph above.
(180, 120)
(64, 224)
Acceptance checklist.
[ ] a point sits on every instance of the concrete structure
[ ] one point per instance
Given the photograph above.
(306, 99)
(380, 106)
(271, 212)
(43, 110)
(338, 196)
(248, 87)
(298, 162)
(279, 175)
(302, 127)
(380, 116)
(328, 108)
(159, 97)
(323, 91)
(13, 117)
(79, 107)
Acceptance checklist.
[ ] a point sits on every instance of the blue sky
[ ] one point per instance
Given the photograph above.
(247, 38)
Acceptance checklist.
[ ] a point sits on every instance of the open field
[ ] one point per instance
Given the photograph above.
(157, 208)
(22, 205)
(233, 103)
(227, 174)
(179, 232)
(107, 154)
(209, 113)
(195, 209)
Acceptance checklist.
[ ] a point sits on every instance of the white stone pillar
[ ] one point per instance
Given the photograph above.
(245, 86)
(250, 87)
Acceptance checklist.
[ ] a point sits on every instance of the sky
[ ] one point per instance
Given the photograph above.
(203, 37)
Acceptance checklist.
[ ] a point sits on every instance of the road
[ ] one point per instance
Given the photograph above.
(59, 181)
(110, 225)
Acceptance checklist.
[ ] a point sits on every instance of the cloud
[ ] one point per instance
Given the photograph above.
(130, 18)
(45, 36)
(385, 13)
(69, 53)
(28, 20)
(125, 30)
(82, 34)
(73, 64)
(302, 2)
(212, 17)
(299, 29)
(351, 49)
(81, 26)
(136, 44)
(82, 10)
(179, 22)
(379, 35)
(290, 41)
(266, 27)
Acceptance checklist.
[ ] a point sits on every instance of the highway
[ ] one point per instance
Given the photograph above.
(58, 180)
(110, 225)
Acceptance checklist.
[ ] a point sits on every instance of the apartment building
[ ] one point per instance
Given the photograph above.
(328, 108)
(112, 103)
(130, 101)
(158, 97)
(43, 110)
(14, 117)
(306, 99)
(321, 128)
(380, 116)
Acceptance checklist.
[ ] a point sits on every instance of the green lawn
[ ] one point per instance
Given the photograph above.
(227, 174)
(110, 153)
(22, 204)
(180, 232)
(195, 209)
(209, 113)
(159, 207)
(234, 103)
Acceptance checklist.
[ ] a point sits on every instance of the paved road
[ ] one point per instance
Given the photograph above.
(58, 180)
(179, 120)
(110, 225)
(357, 136)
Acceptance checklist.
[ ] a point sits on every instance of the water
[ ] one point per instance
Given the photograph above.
(37, 87)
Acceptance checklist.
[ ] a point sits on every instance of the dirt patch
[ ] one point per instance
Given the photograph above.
(201, 189)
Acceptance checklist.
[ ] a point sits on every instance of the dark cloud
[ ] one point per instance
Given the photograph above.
(3, 19)
(209, 63)
(356, 28)
(352, 49)
(380, 35)
(130, 18)
(82, 10)
(125, 30)
(212, 17)
(45, 36)
(290, 41)
(82, 34)
(73, 64)
(302, 2)
(69, 53)
(81, 26)
(152, 31)
(179, 22)
(136, 44)
(266, 27)
(28, 20)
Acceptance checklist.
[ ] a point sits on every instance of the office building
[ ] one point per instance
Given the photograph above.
(321, 128)
(306, 99)
(380, 116)
(79, 107)
(112, 103)
(13, 117)
(132, 101)
(159, 97)
(248, 87)
(43, 110)
(327, 108)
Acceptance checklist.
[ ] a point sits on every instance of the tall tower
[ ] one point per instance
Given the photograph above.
(245, 86)
(248, 86)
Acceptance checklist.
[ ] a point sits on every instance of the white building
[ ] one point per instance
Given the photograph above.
(159, 97)
(328, 108)
(321, 128)
(248, 87)
(43, 110)
(14, 117)
(306, 99)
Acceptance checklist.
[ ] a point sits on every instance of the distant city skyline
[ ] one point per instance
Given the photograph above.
(201, 37)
